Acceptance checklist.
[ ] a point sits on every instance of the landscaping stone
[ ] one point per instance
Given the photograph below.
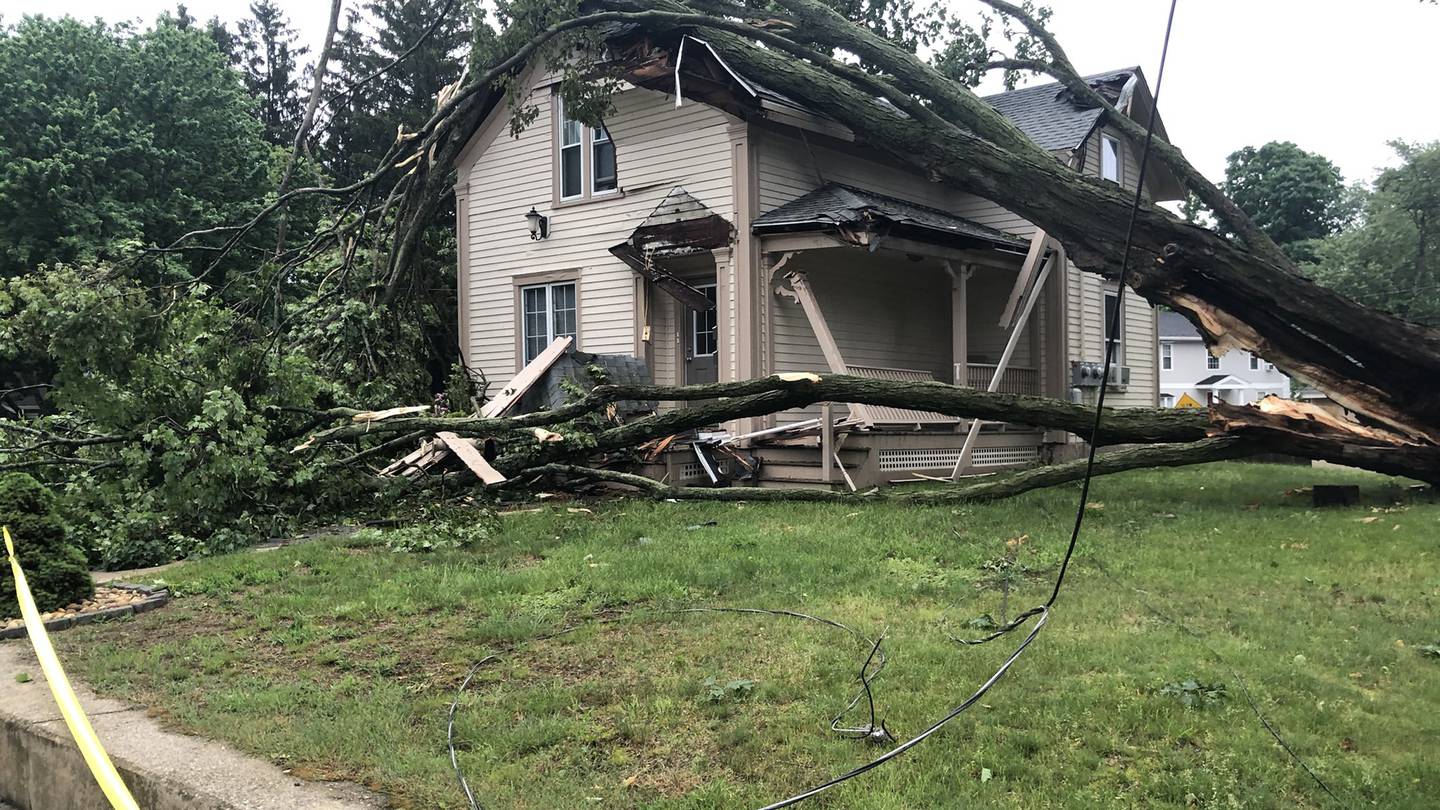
(110, 601)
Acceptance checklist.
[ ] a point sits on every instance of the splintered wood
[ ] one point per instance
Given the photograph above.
(437, 450)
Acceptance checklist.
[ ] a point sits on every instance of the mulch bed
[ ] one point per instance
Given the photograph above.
(111, 600)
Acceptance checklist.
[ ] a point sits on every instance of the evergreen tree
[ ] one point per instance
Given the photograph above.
(271, 71)
(362, 124)
(55, 569)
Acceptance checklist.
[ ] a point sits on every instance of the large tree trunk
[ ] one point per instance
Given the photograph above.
(1289, 428)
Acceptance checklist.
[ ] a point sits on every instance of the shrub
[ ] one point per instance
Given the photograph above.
(54, 567)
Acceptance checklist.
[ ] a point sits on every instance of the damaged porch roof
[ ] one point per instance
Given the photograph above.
(836, 206)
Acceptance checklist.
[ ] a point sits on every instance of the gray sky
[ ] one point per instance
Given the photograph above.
(1337, 77)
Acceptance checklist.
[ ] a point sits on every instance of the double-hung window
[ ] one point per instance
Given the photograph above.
(1212, 362)
(548, 311)
(1110, 158)
(1112, 306)
(1167, 356)
(585, 159)
(1254, 362)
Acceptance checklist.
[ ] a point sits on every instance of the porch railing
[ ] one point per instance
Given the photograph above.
(1015, 380)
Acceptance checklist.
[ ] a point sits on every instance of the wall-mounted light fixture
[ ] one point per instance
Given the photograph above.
(539, 224)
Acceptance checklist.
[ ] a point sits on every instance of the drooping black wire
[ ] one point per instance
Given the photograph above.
(1043, 611)
(1116, 316)
(874, 731)
(1234, 673)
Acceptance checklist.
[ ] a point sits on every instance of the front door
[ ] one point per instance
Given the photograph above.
(701, 340)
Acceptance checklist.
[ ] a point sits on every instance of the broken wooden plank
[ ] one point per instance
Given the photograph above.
(528, 376)
(1039, 243)
(403, 410)
(426, 448)
(465, 449)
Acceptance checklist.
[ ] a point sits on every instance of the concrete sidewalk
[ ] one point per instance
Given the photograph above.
(41, 769)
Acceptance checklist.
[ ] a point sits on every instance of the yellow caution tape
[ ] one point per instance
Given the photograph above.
(99, 761)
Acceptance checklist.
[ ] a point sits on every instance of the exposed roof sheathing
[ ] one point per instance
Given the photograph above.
(835, 205)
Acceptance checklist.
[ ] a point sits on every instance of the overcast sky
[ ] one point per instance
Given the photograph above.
(1337, 77)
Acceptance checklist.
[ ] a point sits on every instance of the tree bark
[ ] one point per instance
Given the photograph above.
(986, 488)
(1290, 428)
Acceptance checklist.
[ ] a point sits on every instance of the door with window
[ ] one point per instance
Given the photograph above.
(700, 339)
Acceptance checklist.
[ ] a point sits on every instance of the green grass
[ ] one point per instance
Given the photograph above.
(339, 659)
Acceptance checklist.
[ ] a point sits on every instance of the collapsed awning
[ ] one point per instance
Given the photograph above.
(679, 226)
(851, 213)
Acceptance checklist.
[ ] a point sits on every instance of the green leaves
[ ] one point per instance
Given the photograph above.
(1194, 694)
(111, 135)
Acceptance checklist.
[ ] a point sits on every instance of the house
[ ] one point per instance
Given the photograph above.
(1190, 376)
(728, 233)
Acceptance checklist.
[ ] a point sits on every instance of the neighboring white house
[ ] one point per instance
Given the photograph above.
(1190, 376)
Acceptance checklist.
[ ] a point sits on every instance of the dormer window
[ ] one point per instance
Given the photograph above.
(1110, 158)
(585, 159)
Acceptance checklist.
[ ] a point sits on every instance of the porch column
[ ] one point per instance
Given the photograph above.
(959, 322)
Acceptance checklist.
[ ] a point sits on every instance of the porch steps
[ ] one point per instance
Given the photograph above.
(799, 467)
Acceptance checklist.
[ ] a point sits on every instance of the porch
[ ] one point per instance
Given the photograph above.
(863, 284)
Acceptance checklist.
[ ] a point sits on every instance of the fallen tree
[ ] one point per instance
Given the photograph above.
(1240, 292)
(1280, 426)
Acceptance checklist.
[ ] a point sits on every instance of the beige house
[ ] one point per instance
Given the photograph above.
(727, 233)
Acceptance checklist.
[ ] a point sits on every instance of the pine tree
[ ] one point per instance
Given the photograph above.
(362, 124)
(268, 44)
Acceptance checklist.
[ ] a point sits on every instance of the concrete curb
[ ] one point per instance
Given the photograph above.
(41, 769)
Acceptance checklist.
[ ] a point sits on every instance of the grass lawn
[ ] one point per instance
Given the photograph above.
(339, 658)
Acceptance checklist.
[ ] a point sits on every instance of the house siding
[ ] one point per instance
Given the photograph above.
(657, 147)
(789, 167)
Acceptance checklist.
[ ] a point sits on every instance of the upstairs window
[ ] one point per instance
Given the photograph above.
(548, 311)
(1109, 158)
(1254, 362)
(585, 159)
(1167, 356)
(1212, 362)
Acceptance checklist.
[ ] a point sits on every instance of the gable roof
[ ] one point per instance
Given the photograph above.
(1220, 381)
(1051, 115)
(835, 204)
(1175, 325)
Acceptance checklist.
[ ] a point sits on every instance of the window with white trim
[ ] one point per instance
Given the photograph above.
(547, 312)
(1212, 362)
(1113, 303)
(704, 326)
(1167, 400)
(1110, 158)
(1167, 356)
(585, 160)
(1254, 362)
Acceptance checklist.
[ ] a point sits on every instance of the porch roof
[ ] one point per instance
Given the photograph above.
(836, 206)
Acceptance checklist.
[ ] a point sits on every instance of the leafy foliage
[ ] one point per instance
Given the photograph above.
(54, 568)
(437, 528)
(1293, 196)
(181, 410)
(1390, 259)
(1194, 694)
(111, 135)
